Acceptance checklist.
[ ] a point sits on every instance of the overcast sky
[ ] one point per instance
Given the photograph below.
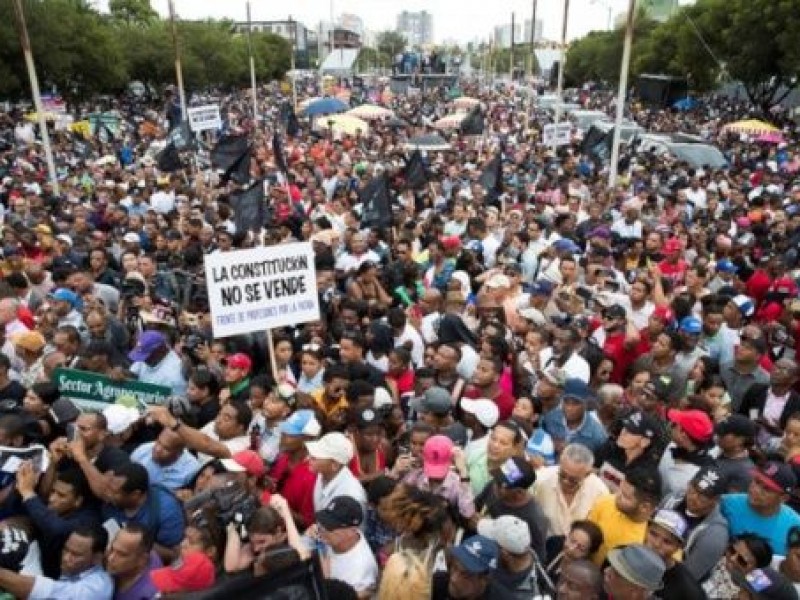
(463, 20)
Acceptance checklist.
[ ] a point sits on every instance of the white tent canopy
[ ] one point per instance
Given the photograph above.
(340, 61)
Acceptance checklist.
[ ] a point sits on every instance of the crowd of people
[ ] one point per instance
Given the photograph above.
(540, 387)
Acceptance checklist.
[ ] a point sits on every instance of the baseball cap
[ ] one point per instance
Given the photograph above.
(541, 444)
(342, 512)
(245, 461)
(737, 425)
(696, 423)
(576, 389)
(32, 341)
(437, 456)
(745, 305)
(765, 584)
(726, 266)
(301, 422)
(778, 477)
(149, 342)
(541, 287)
(239, 361)
(639, 565)
(658, 386)
(63, 237)
(457, 433)
(615, 311)
(287, 392)
(785, 286)
(485, 410)
(664, 314)
(672, 245)
(477, 554)
(498, 280)
(332, 446)
(120, 418)
(566, 245)
(65, 295)
(367, 417)
(600, 232)
(691, 325)
(435, 400)
(14, 546)
(131, 238)
(193, 572)
(511, 533)
(673, 522)
(709, 481)
(641, 423)
(555, 376)
(515, 474)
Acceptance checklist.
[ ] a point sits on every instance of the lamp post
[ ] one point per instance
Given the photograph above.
(622, 92)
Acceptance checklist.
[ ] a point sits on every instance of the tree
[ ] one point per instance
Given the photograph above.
(370, 58)
(132, 12)
(391, 42)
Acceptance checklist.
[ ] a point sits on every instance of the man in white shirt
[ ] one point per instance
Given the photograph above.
(348, 556)
(329, 458)
(562, 355)
(359, 253)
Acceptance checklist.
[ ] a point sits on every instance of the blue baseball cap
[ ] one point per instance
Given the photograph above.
(542, 287)
(149, 341)
(65, 295)
(302, 422)
(477, 554)
(690, 325)
(576, 389)
(726, 266)
(566, 245)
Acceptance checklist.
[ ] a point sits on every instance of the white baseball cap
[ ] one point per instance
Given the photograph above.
(485, 410)
(333, 446)
(511, 533)
(120, 418)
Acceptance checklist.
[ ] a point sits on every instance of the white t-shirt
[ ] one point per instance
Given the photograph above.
(235, 445)
(576, 366)
(356, 567)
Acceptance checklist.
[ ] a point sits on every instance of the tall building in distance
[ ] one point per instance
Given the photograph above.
(503, 37)
(416, 27)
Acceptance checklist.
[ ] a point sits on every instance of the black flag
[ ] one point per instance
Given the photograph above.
(292, 124)
(81, 146)
(280, 155)
(416, 175)
(182, 136)
(248, 207)
(473, 123)
(169, 159)
(597, 144)
(228, 151)
(492, 175)
(377, 207)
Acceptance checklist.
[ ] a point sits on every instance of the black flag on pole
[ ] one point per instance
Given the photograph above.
(248, 207)
(492, 175)
(473, 123)
(416, 175)
(292, 124)
(169, 159)
(228, 151)
(377, 206)
(280, 155)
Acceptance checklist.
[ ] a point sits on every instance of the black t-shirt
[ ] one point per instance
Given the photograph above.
(13, 391)
(679, 585)
(207, 412)
(441, 582)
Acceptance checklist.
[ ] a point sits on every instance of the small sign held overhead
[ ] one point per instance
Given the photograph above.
(557, 134)
(203, 118)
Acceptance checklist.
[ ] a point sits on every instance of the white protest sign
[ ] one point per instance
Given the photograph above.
(261, 288)
(205, 117)
(558, 134)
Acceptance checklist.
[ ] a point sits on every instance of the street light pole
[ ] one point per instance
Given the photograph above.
(178, 69)
(561, 65)
(533, 37)
(622, 92)
(252, 64)
(25, 42)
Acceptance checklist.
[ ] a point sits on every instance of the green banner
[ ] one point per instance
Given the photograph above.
(92, 388)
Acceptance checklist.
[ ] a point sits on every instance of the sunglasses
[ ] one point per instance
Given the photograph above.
(737, 557)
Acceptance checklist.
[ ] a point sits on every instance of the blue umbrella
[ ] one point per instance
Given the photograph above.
(326, 106)
(685, 104)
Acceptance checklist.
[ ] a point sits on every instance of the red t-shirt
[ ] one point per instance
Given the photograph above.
(676, 272)
(505, 401)
(296, 484)
(404, 381)
(614, 348)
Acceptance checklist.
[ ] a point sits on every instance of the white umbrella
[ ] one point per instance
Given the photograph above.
(450, 121)
(466, 103)
(346, 124)
(370, 112)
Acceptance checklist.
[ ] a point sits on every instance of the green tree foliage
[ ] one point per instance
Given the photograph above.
(390, 43)
(751, 41)
(81, 52)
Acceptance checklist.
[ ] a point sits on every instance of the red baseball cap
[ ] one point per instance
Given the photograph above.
(437, 455)
(664, 314)
(672, 245)
(239, 361)
(695, 423)
(193, 572)
(245, 461)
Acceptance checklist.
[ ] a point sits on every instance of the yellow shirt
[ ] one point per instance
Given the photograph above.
(329, 409)
(618, 529)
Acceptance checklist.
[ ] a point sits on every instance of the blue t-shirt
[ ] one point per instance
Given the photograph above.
(743, 519)
(162, 514)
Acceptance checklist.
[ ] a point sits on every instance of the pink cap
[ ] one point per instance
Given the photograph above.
(437, 456)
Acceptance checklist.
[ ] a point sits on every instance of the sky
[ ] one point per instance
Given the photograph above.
(461, 20)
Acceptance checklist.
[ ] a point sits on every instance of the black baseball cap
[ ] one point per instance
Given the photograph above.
(738, 425)
(641, 423)
(342, 512)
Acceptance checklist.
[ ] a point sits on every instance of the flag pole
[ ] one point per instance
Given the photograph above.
(533, 38)
(178, 69)
(252, 64)
(561, 64)
(293, 25)
(621, 93)
(511, 52)
(25, 42)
